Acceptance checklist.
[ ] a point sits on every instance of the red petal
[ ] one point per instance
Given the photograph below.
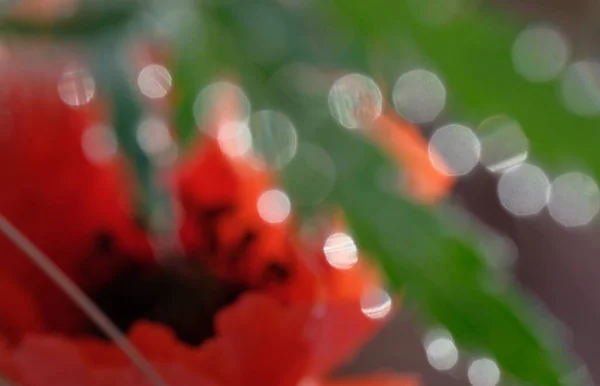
(55, 196)
(267, 342)
(51, 361)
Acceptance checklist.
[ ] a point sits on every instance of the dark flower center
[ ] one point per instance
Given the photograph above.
(183, 296)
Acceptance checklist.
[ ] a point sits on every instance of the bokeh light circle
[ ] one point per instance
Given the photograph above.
(580, 88)
(340, 251)
(376, 303)
(274, 206)
(454, 149)
(483, 372)
(99, 144)
(540, 53)
(355, 100)
(574, 199)
(235, 138)
(154, 81)
(524, 190)
(441, 350)
(76, 86)
(274, 137)
(503, 143)
(419, 96)
(214, 97)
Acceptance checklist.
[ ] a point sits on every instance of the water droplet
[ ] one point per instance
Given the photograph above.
(274, 137)
(274, 206)
(340, 251)
(503, 144)
(211, 98)
(419, 96)
(376, 303)
(235, 139)
(154, 81)
(580, 88)
(76, 86)
(99, 144)
(355, 100)
(154, 137)
(524, 190)
(574, 199)
(442, 353)
(483, 372)
(540, 53)
(454, 150)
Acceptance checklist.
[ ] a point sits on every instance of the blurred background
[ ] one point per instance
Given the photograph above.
(506, 93)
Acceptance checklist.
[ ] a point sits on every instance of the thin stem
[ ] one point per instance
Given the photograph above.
(81, 299)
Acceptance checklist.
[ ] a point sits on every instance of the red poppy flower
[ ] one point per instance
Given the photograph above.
(298, 318)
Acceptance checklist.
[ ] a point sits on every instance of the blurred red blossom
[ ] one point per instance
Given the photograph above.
(298, 319)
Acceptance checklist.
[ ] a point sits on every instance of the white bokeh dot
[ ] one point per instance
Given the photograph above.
(540, 53)
(483, 372)
(340, 251)
(574, 199)
(355, 101)
(503, 143)
(235, 138)
(274, 137)
(524, 190)
(376, 303)
(154, 81)
(274, 206)
(580, 88)
(76, 86)
(419, 96)
(154, 137)
(99, 144)
(454, 150)
(441, 350)
(220, 95)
